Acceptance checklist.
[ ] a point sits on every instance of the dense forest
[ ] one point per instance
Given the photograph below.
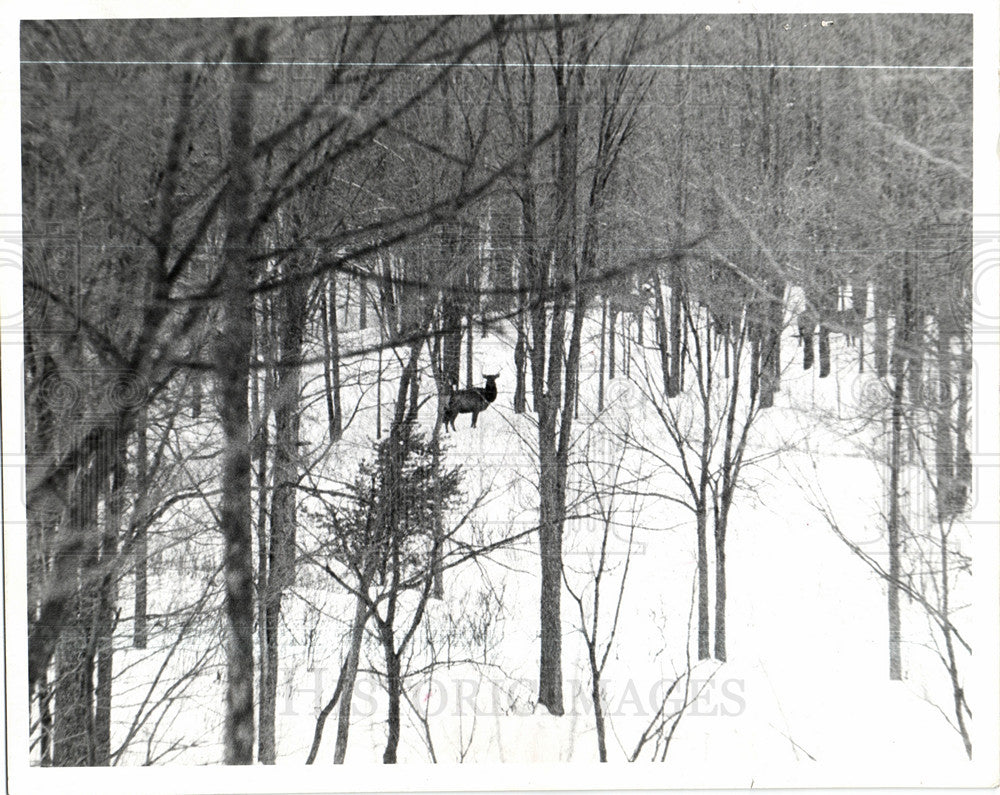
(442, 388)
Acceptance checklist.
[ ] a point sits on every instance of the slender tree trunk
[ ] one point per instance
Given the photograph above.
(73, 734)
(347, 301)
(108, 598)
(895, 440)
(261, 398)
(281, 552)
(674, 383)
(595, 697)
(943, 448)
(661, 334)
(824, 351)
(808, 347)
(915, 357)
(900, 352)
(951, 663)
(612, 316)
(45, 720)
(469, 375)
(771, 345)
(963, 457)
(881, 331)
(233, 367)
(394, 684)
(720, 589)
(550, 693)
(140, 556)
(859, 303)
(331, 364)
(600, 366)
(704, 632)
(350, 677)
(626, 346)
(520, 356)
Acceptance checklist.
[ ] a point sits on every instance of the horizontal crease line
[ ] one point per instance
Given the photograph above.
(897, 67)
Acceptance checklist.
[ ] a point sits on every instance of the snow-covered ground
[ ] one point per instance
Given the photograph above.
(804, 698)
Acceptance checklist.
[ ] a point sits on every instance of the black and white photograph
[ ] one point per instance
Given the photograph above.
(463, 402)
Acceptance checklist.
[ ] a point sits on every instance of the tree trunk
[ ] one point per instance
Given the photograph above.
(676, 364)
(771, 345)
(660, 319)
(881, 331)
(73, 734)
(261, 398)
(394, 684)
(140, 556)
(915, 352)
(281, 552)
(900, 352)
(550, 693)
(824, 351)
(108, 598)
(720, 589)
(45, 721)
(520, 356)
(895, 440)
(469, 375)
(704, 636)
(808, 347)
(233, 368)
(331, 358)
(600, 365)
(626, 346)
(943, 447)
(595, 697)
(350, 676)
(612, 316)
(963, 457)
(859, 303)
(362, 305)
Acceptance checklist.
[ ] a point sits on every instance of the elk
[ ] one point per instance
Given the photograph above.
(470, 401)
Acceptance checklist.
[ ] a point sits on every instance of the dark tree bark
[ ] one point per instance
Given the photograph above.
(881, 329)
(140, 556)
(520, 357)
(261, 400)
(704, 630)
(351, 674)
(902, 338)
(553, 449)
(362, 305)
(600, 365)
(107, 600)
(233, 369)
(720, 588)
(943, 430)
(675, 382)
(859, 303)
(331, 358)
(469, 374)
(281, 549)
(74, 732)
(394, 685)
(612, 316)
(661, 333)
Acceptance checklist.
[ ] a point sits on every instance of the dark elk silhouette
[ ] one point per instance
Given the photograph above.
(470, 401)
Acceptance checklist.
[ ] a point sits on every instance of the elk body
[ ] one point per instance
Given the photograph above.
(470, 401)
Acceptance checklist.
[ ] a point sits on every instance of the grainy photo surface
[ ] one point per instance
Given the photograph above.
(504, 389)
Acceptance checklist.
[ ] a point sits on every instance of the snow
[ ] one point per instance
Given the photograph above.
(805, 698)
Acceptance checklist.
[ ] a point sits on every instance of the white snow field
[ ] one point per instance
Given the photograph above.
(804, 698)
